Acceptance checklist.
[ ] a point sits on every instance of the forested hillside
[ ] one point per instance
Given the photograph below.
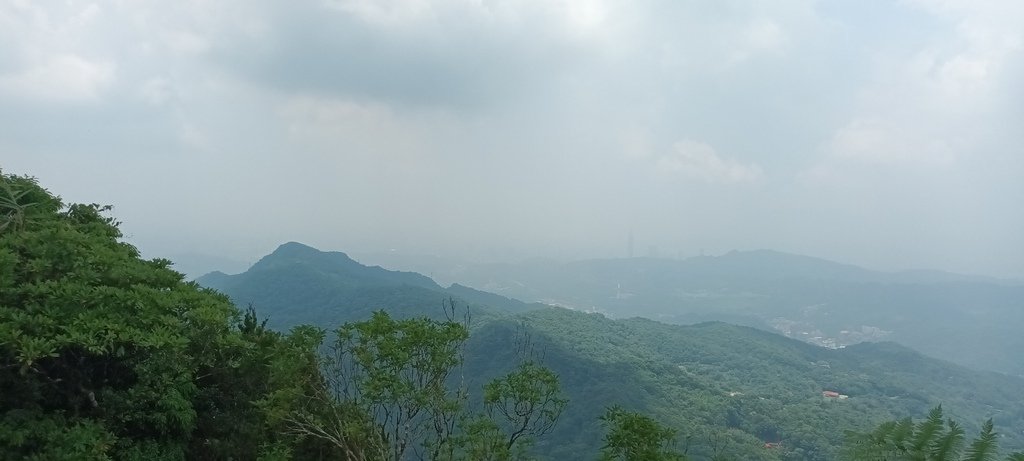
(105, 355)
(728, 389)
(814, 300)
(297, 284)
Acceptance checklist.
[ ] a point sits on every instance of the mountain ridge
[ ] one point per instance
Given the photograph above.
(746, 386)
(812, 299)
(283, 279)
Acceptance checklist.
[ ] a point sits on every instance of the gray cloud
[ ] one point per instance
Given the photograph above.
(452, 54)
(883, 134)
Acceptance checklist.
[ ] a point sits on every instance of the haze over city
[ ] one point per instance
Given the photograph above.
(884, 134)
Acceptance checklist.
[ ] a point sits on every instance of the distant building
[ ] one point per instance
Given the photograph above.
(834, 395)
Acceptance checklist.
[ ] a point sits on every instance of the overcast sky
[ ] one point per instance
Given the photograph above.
(885, 134)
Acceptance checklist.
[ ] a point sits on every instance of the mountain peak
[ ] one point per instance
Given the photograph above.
(296, 248)
(295, 252)
(294, 258)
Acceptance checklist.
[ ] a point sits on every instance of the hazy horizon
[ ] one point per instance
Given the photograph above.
(884, 135)
(443, 269)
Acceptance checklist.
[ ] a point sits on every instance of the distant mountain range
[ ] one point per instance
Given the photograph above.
(194, 265)
(768, 263)
(972, 320)
(728, 389)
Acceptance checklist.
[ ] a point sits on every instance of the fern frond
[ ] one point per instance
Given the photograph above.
(926, 432)
(950, 444)
(983, 448)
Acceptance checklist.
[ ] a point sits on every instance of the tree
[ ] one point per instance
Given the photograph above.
(16, 197)
(242, 405)
(635, 437)
(95, 343)
(528, 399)
(933, 439)
(106, 355)
(386, 388)
(390, 393)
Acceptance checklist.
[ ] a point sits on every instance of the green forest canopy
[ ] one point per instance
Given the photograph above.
(104, 355)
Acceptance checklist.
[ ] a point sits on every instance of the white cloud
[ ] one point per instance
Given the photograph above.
(343, 132)
(64, 77)
(875, 142)
(537, 109)
(635, 141)
(586, 17)
(185, 42)
(697, 160)
(765, 34)
(316, 118)
(933, 105)
(759, 36)
(579, 17)
(385, 13)
(157, 91)
(194, 138)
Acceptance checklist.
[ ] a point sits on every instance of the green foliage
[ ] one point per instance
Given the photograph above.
(929, 440)
(18, 197)
(386, 388)
(632, 436)
(527, 399)
(389, 392)
(481, 439)
(520, 406)
(727, 389)
(91, 332)
(104, 355)
(984, 447)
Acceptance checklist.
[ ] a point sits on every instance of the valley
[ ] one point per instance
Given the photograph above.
(814, 300)
(729, 389)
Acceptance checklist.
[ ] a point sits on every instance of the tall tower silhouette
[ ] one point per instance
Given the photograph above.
(630, 252)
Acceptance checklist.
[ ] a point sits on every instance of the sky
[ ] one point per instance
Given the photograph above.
(888, 134)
